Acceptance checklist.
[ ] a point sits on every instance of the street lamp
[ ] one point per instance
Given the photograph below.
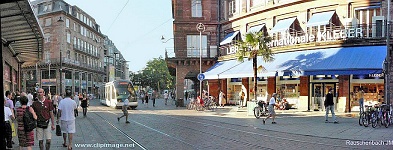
(115, 64)
(200, 28)
(61, 63)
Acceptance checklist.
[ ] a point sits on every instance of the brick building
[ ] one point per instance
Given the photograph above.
(186, 62)
(318, 45)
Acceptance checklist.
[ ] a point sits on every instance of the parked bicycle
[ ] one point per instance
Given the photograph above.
(260, 109)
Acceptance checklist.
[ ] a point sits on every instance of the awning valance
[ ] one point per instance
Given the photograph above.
(229, 37)
(320, 19)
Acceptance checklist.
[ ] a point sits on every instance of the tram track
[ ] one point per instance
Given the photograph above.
(186, 121)
(259, 133)
(117, 129)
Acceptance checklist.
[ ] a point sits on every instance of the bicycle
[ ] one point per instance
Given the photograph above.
(366, 116)
(385, 120)
(376, 117)
(260, 111)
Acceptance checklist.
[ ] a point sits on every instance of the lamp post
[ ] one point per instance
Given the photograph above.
(387, 69)
(200, 28)
(61, 63)
(114, 63)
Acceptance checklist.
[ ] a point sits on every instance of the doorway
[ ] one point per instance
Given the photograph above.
(319, 91)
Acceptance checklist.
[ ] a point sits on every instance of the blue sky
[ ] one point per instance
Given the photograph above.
(138, 29)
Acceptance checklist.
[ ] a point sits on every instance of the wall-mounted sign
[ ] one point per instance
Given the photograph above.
(319, 37)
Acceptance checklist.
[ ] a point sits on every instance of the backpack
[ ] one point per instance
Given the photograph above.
(28, 121)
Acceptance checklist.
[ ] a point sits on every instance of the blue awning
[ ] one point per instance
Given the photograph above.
(229, 37)
(330, 61)
(283, 25)
(320, 19)
(217, 69)
(255, 28)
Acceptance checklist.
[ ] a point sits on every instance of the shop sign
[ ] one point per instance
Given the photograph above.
(320, 37)
(378, 75)
(232, 49)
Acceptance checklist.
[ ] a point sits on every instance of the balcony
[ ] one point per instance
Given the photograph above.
(85, 51)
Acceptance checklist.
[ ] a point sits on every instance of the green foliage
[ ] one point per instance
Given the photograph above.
(154, 75)
(254, 44)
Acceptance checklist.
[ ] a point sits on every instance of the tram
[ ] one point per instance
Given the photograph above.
(115, 92)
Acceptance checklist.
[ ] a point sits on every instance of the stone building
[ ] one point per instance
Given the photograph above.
(73, 50)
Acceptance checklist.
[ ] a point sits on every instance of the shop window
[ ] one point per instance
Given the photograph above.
(76, 74)
(324, 77)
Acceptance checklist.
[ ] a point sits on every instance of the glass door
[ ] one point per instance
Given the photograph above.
(319, 91)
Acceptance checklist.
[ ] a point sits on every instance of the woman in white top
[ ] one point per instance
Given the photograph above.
(270, 108)
(220, 97)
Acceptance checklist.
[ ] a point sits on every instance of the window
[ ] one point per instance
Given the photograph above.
(68, 54)
(75, 42)
(367, 20)
(68, 37)
(68, 23)
(196, 6)
(231, 7)
(76, 56)
(193, 46)
(48, 22)
(47, 37)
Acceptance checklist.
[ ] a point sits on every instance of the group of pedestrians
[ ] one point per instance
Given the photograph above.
(43, 110)
(329, 106)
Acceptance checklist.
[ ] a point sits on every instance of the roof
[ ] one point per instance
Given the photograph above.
(20, 30)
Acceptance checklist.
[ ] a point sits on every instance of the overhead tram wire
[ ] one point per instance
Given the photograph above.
(117, 16)
(147, 33)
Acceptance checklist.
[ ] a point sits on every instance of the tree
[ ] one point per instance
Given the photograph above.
(254, 45)
(155, 75)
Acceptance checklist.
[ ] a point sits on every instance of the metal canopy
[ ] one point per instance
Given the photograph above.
(20, 30)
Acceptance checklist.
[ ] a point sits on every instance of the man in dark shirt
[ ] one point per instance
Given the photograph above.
(44, 110)
(329, 105)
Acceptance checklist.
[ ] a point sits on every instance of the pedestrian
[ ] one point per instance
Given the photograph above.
(76, 99)
(153, 97)
(361, 99)
(29, 98)
(9, 103)
(84, 105)
(8, 116)
(66, 114)
(55, 101)
(146, 100)
(270, 108)
(329, 105)
(26, 139)
(44, 110)
(220, 97)
(125, 110)
(166, 95)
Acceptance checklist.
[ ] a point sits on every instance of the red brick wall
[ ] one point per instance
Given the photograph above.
(343, 90)
(271, 85)
(304, 86)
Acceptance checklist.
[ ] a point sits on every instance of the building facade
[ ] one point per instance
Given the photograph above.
(186, 62)
(74, 50)
(22, 41)
(317, 45)
(115, 64)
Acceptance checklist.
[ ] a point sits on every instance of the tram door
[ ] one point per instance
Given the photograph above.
(319, 91)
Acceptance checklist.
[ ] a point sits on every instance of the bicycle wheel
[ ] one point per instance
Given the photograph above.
(256, 112)
(385, 119)
(361, 116)
(374, 120)
(366, 119)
